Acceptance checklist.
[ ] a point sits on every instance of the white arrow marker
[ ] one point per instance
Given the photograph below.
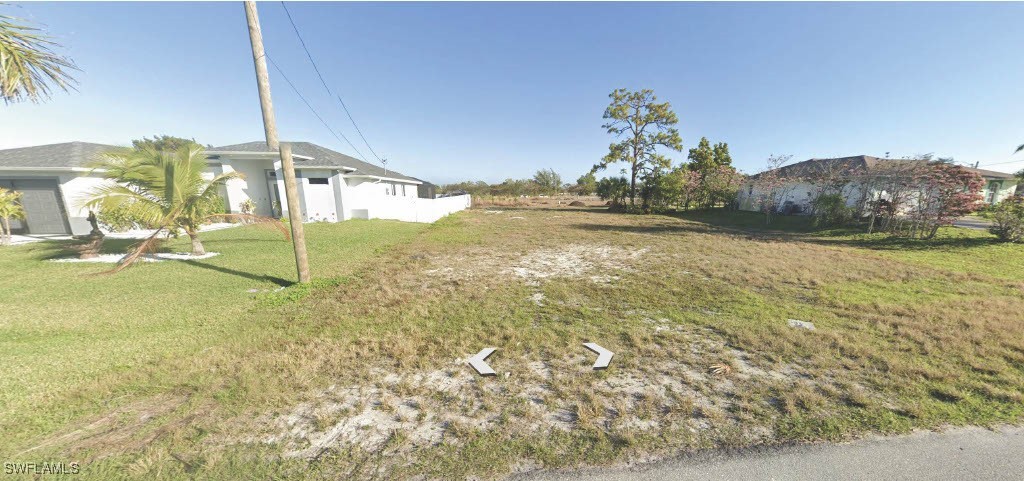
(478, 363)
(604, 356)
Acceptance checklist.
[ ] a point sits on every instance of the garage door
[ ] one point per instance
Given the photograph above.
(44, 211)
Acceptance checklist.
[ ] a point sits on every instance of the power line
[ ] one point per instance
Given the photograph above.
(311, 109)
(1001, 163)
(322, 81)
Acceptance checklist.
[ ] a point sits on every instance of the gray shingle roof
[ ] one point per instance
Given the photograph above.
(863, 163)
(53, 156)
(322, 156)
(992, 173)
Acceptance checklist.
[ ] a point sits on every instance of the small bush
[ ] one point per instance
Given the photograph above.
(1008, 219)
(830, 210)
(118, 220)
(614, 189)
(248, 206)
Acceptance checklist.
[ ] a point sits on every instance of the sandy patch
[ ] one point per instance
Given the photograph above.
(575, 261)
(403, 411)
(600, 264)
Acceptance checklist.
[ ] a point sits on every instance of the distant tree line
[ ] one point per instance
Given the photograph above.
(641, 126)
(543, 182)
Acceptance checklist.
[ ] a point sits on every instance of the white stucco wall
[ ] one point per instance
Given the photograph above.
(341, 198)
(253, 186)
(801, 193)
(407, 209)
(319, 201)
(74, 187)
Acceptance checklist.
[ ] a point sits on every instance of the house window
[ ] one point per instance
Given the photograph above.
(403, 190)
(993, 191)
(318, 180)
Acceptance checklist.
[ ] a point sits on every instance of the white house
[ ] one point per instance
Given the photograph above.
(800, 187)
(332, 186)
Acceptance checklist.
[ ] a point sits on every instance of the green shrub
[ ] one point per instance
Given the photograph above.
(216, 205)
(614, 189)
(118, 220)
(830, 210)
(1008, 219)
(248, 206)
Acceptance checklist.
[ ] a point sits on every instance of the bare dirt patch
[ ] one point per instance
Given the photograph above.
(402, 412)
(599, 263)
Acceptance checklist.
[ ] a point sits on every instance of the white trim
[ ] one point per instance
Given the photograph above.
(390, 179)
(324, 167)
(254, 154)
(50, 169)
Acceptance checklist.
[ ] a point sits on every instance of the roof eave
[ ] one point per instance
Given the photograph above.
(392, 179)
(243, 153)
(46, 169)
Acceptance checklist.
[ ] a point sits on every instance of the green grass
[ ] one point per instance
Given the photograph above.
(67, 327)
(174, 370)
(953, 249)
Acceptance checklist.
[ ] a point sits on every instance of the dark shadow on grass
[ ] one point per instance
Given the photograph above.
(786, 228)
(662, 228)
(248, 275)
(747, 221)
(593, 210)
(60, 249)
(890, 243)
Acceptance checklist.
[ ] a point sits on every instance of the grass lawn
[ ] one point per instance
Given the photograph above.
(77, 342)
(174, 370)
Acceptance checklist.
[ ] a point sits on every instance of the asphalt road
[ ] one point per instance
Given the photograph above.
(973, 222)
(964, 453)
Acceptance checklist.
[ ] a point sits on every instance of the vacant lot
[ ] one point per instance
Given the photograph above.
(177, 371)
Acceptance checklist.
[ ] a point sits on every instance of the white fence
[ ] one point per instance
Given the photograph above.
(407, 209)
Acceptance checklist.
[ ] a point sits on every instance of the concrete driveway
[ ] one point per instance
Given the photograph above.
(965, 453)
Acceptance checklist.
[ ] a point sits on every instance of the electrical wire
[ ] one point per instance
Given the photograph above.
(1001, 163)
(311, 109)
(324, 82)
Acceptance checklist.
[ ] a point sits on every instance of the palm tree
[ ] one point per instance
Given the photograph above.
(10, 208)
(28, 66)
(165, 190)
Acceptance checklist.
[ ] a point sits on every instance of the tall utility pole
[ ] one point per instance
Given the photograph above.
(259, 58)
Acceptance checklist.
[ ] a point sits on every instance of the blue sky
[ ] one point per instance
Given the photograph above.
(489, 91)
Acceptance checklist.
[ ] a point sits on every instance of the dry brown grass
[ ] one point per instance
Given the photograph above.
(368, 377)
(554, 201)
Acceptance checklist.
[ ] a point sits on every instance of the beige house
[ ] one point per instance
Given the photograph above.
(798, 191)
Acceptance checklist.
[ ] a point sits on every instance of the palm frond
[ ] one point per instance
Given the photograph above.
(116, 197)
(28, 66)
(147, 246)
(213, 187)
(10, 204)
